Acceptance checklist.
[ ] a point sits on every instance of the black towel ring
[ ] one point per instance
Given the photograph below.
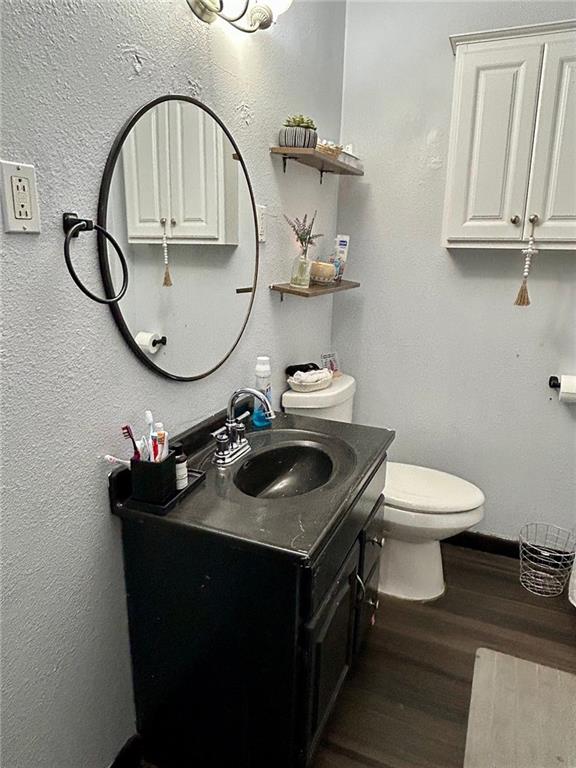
(72, 226)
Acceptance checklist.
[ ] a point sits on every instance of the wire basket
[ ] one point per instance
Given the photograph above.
(546, 558)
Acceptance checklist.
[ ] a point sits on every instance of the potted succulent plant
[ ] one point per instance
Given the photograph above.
(298, 131)
(303, 232)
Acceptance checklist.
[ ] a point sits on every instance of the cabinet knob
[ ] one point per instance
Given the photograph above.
(378, 542)
(173, 221)
(534, 218)
(515, 220)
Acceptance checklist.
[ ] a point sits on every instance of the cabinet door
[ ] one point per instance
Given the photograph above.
(145, 162)
(195, 170)
(552, 192)
(328, 650)
(493, 114)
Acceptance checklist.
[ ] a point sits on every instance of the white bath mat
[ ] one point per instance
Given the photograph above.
(522, 715)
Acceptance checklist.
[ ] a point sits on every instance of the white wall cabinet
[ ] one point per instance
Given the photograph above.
(513, 139)
(179, 165)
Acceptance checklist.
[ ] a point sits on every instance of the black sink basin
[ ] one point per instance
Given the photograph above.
(288, 470)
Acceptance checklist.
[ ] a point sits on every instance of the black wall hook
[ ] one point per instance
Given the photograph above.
(554, 382)
(70, 219)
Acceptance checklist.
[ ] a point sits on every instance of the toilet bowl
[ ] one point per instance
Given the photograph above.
(422, 507)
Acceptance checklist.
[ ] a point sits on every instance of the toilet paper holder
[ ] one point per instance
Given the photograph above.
(565, 385)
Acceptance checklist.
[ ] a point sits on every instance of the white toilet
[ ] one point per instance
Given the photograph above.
(423, 506)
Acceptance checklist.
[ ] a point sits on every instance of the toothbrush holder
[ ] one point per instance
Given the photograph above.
(154, 482)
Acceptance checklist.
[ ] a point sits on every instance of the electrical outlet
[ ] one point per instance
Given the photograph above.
(261, 211)
(19, 199)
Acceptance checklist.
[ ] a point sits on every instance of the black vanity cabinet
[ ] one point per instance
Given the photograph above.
(239, 650)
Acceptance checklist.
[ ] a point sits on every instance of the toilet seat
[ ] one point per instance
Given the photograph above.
(428, 491)
(423, 526)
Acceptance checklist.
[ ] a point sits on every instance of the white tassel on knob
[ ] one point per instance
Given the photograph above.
(523, 299)
(167, 278)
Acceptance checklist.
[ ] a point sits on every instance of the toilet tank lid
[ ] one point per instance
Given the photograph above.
(342, 388)
(428, 490)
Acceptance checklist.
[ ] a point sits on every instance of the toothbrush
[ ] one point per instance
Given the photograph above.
(129, 435)
(114, 460)
(143, 448)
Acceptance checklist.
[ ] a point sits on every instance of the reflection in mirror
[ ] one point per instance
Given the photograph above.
(180, 205)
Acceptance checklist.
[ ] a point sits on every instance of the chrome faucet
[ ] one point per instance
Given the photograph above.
(231, 442)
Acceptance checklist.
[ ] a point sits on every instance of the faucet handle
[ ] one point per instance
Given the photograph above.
(232, 431)
(222, 444)
(241, 433)
(224, 428)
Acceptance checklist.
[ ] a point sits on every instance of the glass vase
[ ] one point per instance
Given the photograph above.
(301, 272)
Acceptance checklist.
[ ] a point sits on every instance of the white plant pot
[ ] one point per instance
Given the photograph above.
(298, 137)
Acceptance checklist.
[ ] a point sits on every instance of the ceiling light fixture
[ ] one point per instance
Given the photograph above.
(256, 15)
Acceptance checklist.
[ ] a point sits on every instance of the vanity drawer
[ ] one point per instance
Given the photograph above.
(372, 539)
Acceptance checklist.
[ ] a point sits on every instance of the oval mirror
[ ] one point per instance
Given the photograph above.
(177, 197)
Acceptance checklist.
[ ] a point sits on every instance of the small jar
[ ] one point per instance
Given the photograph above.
(321, 272)
(181, 471)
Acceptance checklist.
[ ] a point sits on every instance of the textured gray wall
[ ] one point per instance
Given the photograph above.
(73, 72)
(438, 348)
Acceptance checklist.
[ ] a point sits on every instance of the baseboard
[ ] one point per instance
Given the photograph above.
(130, 756)
(486, 543)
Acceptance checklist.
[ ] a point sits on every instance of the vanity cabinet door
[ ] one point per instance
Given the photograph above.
(493, 114)
(146, 181)
(328, 650)
(552, 191)
(196, 151)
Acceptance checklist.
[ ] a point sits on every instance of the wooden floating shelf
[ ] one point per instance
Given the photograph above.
(314, 290)
(315, 159)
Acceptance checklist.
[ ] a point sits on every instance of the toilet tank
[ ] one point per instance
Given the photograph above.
(334, 403)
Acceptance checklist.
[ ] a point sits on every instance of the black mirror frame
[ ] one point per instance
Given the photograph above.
(103, 247)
